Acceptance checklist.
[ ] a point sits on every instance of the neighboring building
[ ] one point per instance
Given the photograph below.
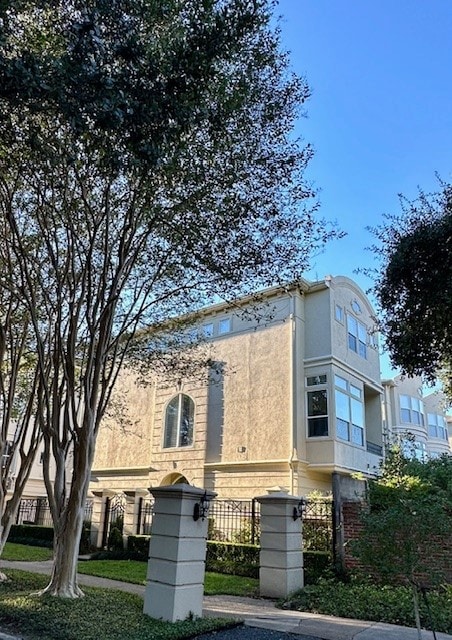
(299, 399)
(409, 412)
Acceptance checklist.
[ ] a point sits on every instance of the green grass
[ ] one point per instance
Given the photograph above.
(24, 552)
(103, 613)
(134, 571)
(365, 601)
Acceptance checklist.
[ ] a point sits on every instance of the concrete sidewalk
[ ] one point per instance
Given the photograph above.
(262, 613)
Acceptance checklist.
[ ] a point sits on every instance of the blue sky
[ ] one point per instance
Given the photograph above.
(380, 115)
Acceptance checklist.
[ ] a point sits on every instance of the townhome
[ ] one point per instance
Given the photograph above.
(415, 417)
(294, 397)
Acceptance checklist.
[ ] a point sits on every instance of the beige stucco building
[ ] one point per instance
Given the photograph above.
(295, 396)
(416, 417)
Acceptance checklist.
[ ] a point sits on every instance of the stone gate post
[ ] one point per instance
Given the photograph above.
(281, 555)
(177, 552)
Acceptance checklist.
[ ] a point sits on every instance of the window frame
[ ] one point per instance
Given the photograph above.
(408, 410)
(357, 341)
(179, 416)
(317, 384)
(352, 399)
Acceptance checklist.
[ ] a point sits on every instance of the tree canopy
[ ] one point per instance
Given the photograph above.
(413, 286)
(147, 165)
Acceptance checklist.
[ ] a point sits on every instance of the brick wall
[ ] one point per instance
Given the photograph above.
(352, 527)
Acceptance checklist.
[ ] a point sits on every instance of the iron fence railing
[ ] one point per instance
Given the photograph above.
(234, 521)
(37, 511)
(145, 514)
(228, 520)
(318, 526)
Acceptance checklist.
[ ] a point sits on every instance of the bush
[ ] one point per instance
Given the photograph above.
(85, 539)
(31, 534)
(234, 559)
(317, 564)
(138, 547)
(366, 601)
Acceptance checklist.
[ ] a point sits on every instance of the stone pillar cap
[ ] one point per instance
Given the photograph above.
(181, 489)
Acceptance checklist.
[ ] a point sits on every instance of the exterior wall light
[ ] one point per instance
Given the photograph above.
(201, 508)
(299, 509)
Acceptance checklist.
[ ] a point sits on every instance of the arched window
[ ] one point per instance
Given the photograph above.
(179, 419)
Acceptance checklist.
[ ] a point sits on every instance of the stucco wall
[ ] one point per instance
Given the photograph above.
(124, 436)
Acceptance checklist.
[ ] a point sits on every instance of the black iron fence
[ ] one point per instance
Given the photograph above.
(318, 526)
(145, 513)
(239, 521)
(234, 521)
(228, 520)
(37, 511)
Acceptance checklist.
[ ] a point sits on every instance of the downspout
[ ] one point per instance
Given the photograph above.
(293, 395)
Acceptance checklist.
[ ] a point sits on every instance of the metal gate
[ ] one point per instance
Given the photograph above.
(114, 515)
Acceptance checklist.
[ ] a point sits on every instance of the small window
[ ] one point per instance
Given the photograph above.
(437, 427)
(339, 313)
(411, 410)
(340, 382)
(314, 381)
(207, 330)
(317, 413)
(179, 420)
(356, 306)
(357, 336)
(224, 326)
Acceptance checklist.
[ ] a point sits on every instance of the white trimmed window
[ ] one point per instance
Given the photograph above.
(437, 427)
(179, 422)
(207, 330)
(357, 336)
(224, 326)
(411, 410)
(349, 411)
(317, 406)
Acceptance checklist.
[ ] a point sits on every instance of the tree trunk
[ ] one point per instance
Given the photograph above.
(63, 580)
(416, 611)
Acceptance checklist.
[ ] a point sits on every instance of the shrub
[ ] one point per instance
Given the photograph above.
(138, 547)
(317, 564)
(235, 559)
(32, 534)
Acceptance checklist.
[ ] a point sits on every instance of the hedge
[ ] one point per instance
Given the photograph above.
(32, 534)
(236, 559)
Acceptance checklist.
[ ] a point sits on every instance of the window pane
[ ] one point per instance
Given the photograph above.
(186, 423)
(342, 406)
(224, 326)
(340, 382)
(207, 330)
(405, 402)
(317, 427)
(352, 325)
(317, 403)
(432, 430)
(352, 342)
(339, 313)
(357, 435)
(362, 333)
(362, 350)
(313, 381)
(342, 429)
(357, 412)
(172, 411)
(406, 415)
(355, 391)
